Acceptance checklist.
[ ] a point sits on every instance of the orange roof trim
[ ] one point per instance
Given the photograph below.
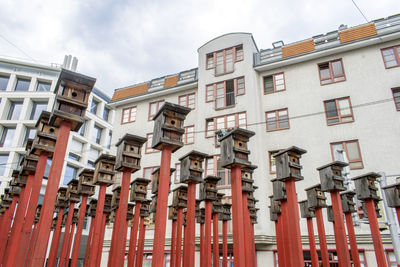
(130, 91)
(298, 48)
(170, 81)
(357, 33)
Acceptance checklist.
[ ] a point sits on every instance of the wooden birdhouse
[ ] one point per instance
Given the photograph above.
(184, 221)
(217, 204)
(22, 179)
(75, 216)
(72, 191)
(348, 205)
(107, 204)
(139, 189)
(201, 216)
(37, 214)
(275, 205)
(315, 197)
(272, 215)
(145, 208)
(7, 195)
(86, 182)
(72, 96)
(104, 170)
(168, 126)
(28, 164)
(46, 136)
(28, 145)
(365, 186)
(377, 210)
(392, 193)
(93, 207)
(278, 189)
(62, 194)
(153, 207)
(247, 178)
(115, 197)
(64, 220)
(251, 200)
(234, 148)
(179, 198)
(253, 215)
(226, 212)
(129, 153)
(14, 189)
(156, 179)
(54, 223)
(288, 164)
(305, 210)
(197, 207)
(191, 167)
(129, 215)
(329, 213)
(208, 188)
(172, 213)
(331, 176)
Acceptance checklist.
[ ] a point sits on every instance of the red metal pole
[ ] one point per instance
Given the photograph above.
(111, 258)
(215, 240)
(33, 236)
(121, 234)
(5, 229)
(56, 240)
(161, 210)
(237, 218)
(78, 237)
(100, 249)
(12, 246)
(201, 244)
(25, 237)
(253, 243)
(398, 214)
(353, 240)
(133, 236)
(49, 200)
(341, 239)
(296, 250)
(376, 235)
(139, 255)
(190, 239)
(285, 215)
(71, 237)
(173, 244)
(311, 239)
(89, 242)
(322, 237)
(184, 243)
(280, 244)
(179, 222)
(247, 231)
(67, 231)
(224, 243)
(207, 235)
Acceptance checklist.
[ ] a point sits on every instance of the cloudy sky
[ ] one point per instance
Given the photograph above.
(123, 42)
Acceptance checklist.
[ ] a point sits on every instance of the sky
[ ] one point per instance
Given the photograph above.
(123, 42)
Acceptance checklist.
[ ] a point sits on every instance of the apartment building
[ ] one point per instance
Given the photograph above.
(331, 93)
(26, 89)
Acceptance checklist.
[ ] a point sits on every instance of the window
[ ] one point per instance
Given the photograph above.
(76, 149)
(225, 122)
(15, 111)
(43, 86)
(82, 129)
(272, 163)
(353, 152)
(3, 163)
(391, 56)
(47, 169)
(188, 100)
(331, 72)
(154, 107)
(214, 167)
(3, 82)
(22, 84)
(396, 97)
(390, 257)
(223, 61)
(7, 137)
(277, 119)
(106, 113)
(109, 139)
(338, 111)
(93, 107)
(177, 173)
(274, 83)
(189, 135)
(74, 156)
(97, 131)
(90, 164)
(149, 141)
(30, 133)
(70, 173)
(224, 93)
(37, 109)
(128, 114)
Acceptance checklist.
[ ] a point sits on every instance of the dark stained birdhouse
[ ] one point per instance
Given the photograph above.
(139, 189)
(86, 182)
(129, 153)
(46, 136)
(208, 188)
(192, 167)
(288, 163)
(331, 176)
(365, 186)
(104, 170)
(315, 197)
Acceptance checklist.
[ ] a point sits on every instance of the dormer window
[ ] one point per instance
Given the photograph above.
(223, 61)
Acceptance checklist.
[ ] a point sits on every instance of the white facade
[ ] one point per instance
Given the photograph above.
(372, 122)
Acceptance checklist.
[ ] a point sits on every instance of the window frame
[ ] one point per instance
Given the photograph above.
(214, 119)
(39, 82)
(12, 109)
(152, 168)
(97, 136)
(274, 83)
(332, 77)
(185, 135)
(235, 91)
(214, 58)
(177, 179)
(129, 117)
(339, 117)
(396, 103)
(396, 55)
(270, 153)
(148, 148)
(215, 170)
(5, 133)
(5, 76)
(25, 79)
(34, 108)
(344, 145)
(277, 120)
(97, 106)
(187, 100)
(150, 116)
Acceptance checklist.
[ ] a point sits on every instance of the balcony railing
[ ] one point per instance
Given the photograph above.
(225, 100)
